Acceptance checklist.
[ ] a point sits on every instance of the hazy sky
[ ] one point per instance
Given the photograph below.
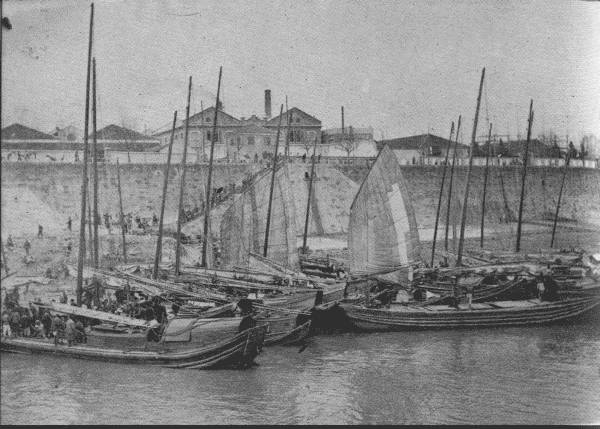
(401, 67)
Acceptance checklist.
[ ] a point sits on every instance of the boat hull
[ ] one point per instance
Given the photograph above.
(237, 352)
(366, 319)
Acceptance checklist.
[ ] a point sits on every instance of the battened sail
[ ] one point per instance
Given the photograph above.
(244, 223)
(382, 233)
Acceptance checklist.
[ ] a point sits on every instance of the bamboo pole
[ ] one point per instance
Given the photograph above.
(461, 238)
(450, 191)
(95, 164)
(562, 185)
(485, 179)
(437, 214)
(275, 157)
(523, 177)
(182, 184)
(158, 253)
(121, 215)
(81, 255)
(310, 187)
(89, 226)
(209, 180)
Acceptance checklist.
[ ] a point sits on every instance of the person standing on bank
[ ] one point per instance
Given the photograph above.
(70, 330)
(27, 247)
(469, 293)
(69, 224)
(40, 231)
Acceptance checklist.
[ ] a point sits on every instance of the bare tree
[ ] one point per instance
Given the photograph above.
(348, 144)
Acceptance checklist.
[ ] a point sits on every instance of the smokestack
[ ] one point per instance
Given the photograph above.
(268, 103)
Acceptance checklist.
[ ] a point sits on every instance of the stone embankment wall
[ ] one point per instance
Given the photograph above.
(59, 186)
(580, 201)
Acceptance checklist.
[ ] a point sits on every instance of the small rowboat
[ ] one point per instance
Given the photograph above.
(499, 313)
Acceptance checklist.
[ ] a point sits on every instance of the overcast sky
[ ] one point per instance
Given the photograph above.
(401, 67)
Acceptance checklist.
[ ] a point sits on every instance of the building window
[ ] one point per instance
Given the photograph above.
(207, 119)
(267, 140)
(250, 140)
(295, 136)
(239, 140)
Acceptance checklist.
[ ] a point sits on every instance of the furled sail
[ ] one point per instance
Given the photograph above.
(244, 223)
(382, 232)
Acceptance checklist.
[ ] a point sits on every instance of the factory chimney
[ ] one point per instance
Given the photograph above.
(267, 104)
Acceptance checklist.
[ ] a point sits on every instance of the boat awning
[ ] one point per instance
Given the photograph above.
(93, 314)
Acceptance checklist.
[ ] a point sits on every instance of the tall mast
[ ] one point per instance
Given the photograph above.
(461, 237)
(437, 214)
(182, 185)
(121, 215)
(95, 163)
(523, 177)
(85, 173)
(562, 185)
(201, 128)
(158, 254)
(287, 130)
(89, 225)
(450, 190)
(310, 187)
(485, 178)
(266, 246)
(209, 180)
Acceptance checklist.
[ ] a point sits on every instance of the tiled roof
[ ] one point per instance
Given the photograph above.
(21, 132)
(115, 132)
(293, 112)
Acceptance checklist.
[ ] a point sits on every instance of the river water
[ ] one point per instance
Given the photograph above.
(529, 375)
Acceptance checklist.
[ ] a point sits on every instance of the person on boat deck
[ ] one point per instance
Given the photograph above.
(540, 287)
(38, 329)
(47, 323)
(80, 335)
(73, 303)
(56, 328)
(63, 298)
(153, 330)
(70, 330)
(456, 291)
(15, 323)
(6, 331)
(26, 323)
(9, 242)
(550, 288)
(469, 293)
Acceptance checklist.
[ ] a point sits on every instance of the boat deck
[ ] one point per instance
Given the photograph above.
(404, 308)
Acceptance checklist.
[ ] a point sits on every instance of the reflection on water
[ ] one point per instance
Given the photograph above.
(515, 375)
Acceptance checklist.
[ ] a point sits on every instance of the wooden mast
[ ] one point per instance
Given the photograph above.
(121, 215)
(89, 225)
(523, 177)
(562, 185)
(461, 237)
(287, 131)
(201, 128)
(450, 190)
(95, 163)
(485, 178)
(158, 253)
(310, 187)
(81, 254)
(268, 226)
(182, 185)
(209, 180)
(437, 214)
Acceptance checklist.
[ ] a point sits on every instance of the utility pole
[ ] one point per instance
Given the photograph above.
(461, 238)
(437, 214)
(268, 226)
(182, 185)
(209, 180)
(158, 253)
(85, 160)
(523, 177)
